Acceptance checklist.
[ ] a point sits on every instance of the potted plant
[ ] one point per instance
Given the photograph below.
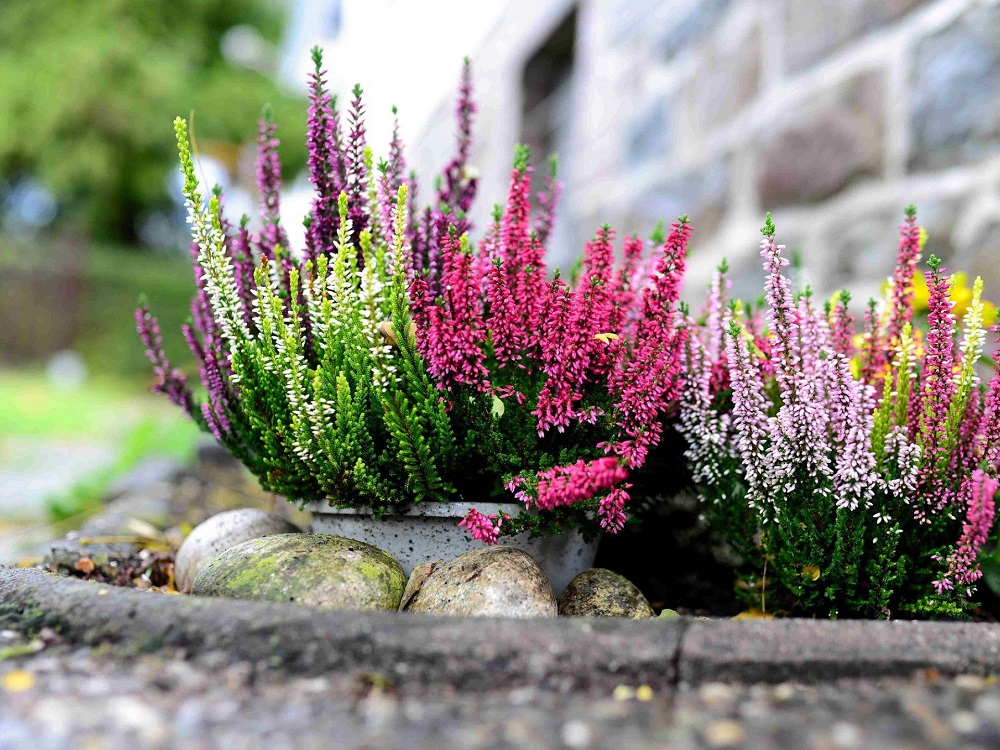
(415, 391)
(852, 472)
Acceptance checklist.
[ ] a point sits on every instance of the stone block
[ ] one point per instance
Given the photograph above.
(651, 133)
(702, 193)
(954, 108)
(692, 27)
(859, 247)
(838, 141)
(816, 28)
(729, 78)
(804, 650)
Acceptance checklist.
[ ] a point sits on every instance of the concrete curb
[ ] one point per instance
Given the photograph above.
(807, 650)
(562, 654)
(559, 654)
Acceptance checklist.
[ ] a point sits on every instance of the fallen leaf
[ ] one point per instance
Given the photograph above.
(644, 693)
(607, 338)
(754, 614)
(144, 528)
(85, 565)
(21, 649)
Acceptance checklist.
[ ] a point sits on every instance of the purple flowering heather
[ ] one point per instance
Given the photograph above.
(357, 172)
(269, 185)
(170, 381)
(456, 191)
(324, 165)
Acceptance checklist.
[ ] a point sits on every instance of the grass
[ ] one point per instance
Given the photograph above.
(109, 409)
(46, 305)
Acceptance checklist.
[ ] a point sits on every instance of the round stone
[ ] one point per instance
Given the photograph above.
(317, 570)
(597, 592)
(496, 581)
(219, 533)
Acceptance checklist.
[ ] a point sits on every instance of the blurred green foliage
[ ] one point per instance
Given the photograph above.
(112, 278)
(90, 88)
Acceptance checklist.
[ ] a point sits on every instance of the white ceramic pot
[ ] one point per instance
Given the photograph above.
(429, 531)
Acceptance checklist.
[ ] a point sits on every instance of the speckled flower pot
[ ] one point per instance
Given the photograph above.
(430, 532)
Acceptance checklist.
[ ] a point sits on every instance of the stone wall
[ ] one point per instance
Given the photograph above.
(832, 114)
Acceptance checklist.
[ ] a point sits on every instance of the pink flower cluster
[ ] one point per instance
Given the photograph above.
(485, 529)
(604, 352)
(963, 566)
(565, 485)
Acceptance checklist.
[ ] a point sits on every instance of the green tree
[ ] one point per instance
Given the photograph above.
(90, 90)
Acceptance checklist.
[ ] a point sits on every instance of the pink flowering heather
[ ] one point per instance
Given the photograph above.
(453, 344)
(901, 287)
(870, 495)
(963, 567)
(569, 382)
(485, 529)
(548, 200)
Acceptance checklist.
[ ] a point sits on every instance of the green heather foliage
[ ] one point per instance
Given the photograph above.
(353, 416)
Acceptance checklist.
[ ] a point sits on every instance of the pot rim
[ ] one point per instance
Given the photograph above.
(428, 509)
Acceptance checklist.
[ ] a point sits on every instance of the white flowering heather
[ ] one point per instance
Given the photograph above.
(323, 408)
(206, 231)
(853, 517)
(708, 431)
(751, 425)
(901, 461)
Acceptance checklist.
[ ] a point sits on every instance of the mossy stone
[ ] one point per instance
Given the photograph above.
(317, 570)
(219, 533)
(487, 582)
(597, 592)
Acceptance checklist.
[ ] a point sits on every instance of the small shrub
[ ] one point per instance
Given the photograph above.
(854, 473)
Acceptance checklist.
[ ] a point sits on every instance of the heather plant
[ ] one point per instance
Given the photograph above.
(559, 387)
(853, 472)
(391, 361)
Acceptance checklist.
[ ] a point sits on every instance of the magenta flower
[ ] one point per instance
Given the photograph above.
(963, 564)
(485, 529)
(324, 165)
(566, 485)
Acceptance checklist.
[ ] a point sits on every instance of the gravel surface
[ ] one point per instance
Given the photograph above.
(66, 697)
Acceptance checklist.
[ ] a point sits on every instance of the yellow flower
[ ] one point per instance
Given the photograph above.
(961, 295)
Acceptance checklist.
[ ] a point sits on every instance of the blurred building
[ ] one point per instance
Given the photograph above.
(832, 114)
